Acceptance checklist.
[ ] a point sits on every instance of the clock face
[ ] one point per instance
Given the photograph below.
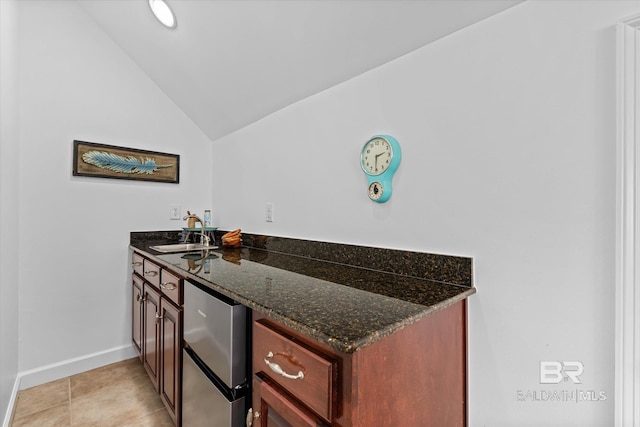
(376, 156)
(375, 190)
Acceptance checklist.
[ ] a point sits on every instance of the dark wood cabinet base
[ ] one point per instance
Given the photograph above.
(416, 376)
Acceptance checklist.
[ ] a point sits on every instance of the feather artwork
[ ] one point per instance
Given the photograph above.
(117, 163)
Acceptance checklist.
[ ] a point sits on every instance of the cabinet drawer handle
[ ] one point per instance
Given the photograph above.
(151, 273)
(168, 286)
(158, 318)
(251, 415)
(278, 370)
(136, 264)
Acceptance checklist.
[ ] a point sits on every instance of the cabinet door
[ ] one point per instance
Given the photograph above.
(171, 353)
(136, 314)
(151, 347)
(277, 410)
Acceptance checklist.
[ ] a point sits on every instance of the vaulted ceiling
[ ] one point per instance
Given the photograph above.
(232, 62)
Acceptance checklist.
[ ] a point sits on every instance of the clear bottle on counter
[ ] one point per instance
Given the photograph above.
(207, 218)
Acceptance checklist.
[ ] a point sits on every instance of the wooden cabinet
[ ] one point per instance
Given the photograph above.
(157, 328)
(296, 368)
(170, 357)
(294, 383)
(274, 408)
(151, 273)
(415, 376)
(151, 329)
(137, 320)
(137, 262)
(171, 287)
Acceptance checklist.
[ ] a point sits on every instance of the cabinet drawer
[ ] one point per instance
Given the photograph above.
(137, 263)
(300, 370)
(151, 273)
(171, 286)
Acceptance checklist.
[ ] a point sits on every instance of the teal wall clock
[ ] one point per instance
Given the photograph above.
(380, 158)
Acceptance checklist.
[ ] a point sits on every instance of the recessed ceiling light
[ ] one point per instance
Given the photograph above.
(163, 12)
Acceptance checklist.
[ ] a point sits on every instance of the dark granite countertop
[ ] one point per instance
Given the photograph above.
(344, 306)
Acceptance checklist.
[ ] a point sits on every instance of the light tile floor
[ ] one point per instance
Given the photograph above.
(115, 395)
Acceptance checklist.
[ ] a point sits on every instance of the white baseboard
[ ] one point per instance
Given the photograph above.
(55, 371)
(12, 403)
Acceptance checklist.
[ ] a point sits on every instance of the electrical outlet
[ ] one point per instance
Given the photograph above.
(269, 212)
(175, 213)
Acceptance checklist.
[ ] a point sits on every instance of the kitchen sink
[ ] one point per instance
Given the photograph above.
(182, 247)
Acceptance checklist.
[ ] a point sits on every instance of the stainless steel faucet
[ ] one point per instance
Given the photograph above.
(204, 239)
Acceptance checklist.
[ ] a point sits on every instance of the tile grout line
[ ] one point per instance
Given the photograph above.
(69, 402)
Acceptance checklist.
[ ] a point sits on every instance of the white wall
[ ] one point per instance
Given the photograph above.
(75, 83)
(508, 136)
(9, 197)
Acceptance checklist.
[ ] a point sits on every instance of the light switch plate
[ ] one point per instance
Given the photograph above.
(269, 216)
(175, 213)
